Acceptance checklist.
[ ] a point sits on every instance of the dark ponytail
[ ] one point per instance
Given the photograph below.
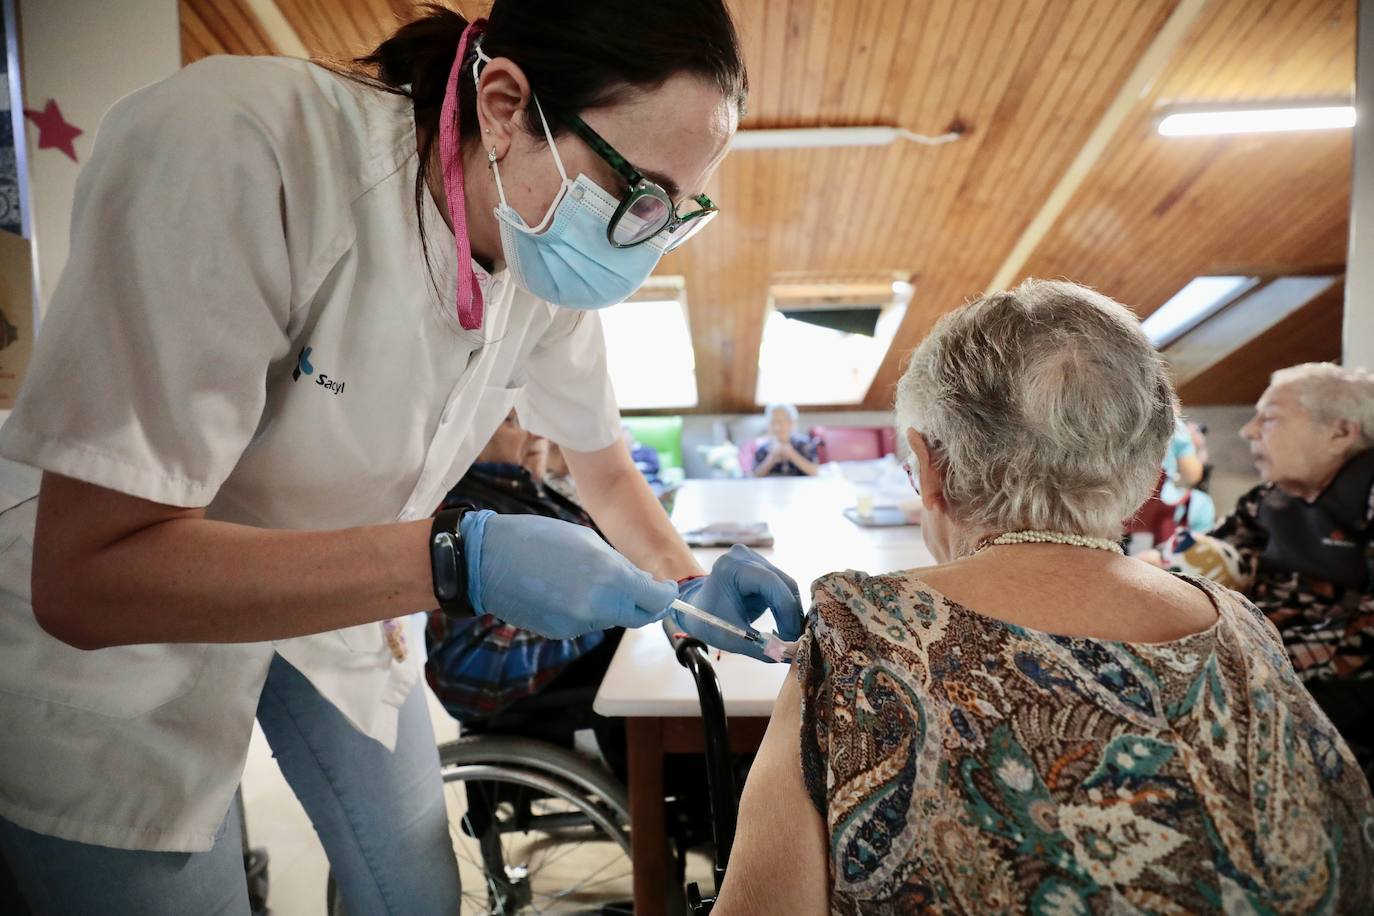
(577, 54)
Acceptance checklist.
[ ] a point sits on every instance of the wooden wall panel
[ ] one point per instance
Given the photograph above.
(330, 29)
(220, 27)
(344, 29)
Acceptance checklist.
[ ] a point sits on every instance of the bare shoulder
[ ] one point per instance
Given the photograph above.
(1066, 592)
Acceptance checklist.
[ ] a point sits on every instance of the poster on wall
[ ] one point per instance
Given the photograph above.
(16, 256)
(16, 314)
(11, 124)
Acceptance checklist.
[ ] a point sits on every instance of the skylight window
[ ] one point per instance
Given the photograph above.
(802, 362)
(649, 354)
(1202, 298)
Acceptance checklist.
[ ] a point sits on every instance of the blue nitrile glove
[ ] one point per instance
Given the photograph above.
(741, 586)
(555, 578)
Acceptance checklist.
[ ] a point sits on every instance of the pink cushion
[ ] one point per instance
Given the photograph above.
(746, 456)
(855, 443)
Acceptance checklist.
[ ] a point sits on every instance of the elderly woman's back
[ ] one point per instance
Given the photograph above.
(967, 764)
(1040, 724)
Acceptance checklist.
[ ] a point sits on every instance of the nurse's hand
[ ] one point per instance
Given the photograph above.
(555, 578)
(741, 586)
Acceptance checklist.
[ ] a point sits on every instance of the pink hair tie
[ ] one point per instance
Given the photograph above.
(469, 292)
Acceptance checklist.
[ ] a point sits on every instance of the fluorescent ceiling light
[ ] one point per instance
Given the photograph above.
(820, 137)
(1190, 306)
(1253, 120)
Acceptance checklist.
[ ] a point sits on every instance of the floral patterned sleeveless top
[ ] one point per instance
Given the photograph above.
(963, 764)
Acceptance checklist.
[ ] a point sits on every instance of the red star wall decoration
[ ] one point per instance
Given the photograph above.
(53, 130)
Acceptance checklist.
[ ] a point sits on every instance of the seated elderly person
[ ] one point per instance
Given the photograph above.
(1302, 543)
(785, 453)
(480, 667)
(1040, 724)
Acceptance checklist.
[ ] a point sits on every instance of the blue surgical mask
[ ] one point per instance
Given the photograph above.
(567, 259)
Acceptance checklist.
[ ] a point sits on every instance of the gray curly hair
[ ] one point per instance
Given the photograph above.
(1046, 407)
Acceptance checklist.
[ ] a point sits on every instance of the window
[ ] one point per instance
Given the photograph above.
(1263, 304)
(802, 362)
(1202, 298)
(649, 354)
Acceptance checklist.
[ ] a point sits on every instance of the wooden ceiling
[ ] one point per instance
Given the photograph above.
(1030, 80)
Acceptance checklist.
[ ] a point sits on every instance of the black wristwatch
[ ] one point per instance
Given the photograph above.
(447, 565)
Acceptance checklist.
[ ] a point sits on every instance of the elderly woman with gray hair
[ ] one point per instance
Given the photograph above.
(1039, 724)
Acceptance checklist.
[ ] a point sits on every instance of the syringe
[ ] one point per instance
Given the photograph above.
(690, 610)
(772, 645)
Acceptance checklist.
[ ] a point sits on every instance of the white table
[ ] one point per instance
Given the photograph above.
(811, 538)
(645, 684)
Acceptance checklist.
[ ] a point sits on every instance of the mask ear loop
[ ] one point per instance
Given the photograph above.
(477, 62)
(564, 185)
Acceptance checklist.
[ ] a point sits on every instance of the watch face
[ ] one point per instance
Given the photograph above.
(444, 561)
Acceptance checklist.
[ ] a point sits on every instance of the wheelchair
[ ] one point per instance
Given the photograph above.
(540, 828)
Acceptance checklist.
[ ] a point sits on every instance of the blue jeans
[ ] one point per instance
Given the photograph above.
(379, 814)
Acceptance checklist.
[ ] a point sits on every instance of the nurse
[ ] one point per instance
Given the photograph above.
(297, 304)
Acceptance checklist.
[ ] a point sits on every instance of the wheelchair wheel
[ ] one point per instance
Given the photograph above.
(536, 829)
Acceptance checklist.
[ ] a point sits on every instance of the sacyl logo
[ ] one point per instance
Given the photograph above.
(303, 365)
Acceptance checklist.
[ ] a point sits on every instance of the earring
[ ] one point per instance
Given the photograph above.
(491, 155)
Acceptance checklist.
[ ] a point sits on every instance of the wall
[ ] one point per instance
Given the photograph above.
(85, 54)
(1359, 289)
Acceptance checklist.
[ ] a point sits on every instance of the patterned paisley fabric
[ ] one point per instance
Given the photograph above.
(967, 765)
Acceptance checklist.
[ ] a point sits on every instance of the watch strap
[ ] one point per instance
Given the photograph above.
(448, 567)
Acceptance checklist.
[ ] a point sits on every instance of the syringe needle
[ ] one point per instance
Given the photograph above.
(753, 636)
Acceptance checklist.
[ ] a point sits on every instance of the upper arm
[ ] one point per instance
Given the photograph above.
(75, 522)
(779, 862)
(597, 470)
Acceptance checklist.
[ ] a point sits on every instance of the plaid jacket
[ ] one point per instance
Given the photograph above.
(1327, 626)
(479, 667)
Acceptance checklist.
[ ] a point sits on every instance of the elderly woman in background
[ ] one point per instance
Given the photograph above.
(784, 453)
(1301, 544)
(1040, 724)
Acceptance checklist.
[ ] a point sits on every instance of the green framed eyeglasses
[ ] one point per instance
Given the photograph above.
(647, 209)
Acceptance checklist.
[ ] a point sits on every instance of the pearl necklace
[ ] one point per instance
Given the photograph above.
(1050, 537)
